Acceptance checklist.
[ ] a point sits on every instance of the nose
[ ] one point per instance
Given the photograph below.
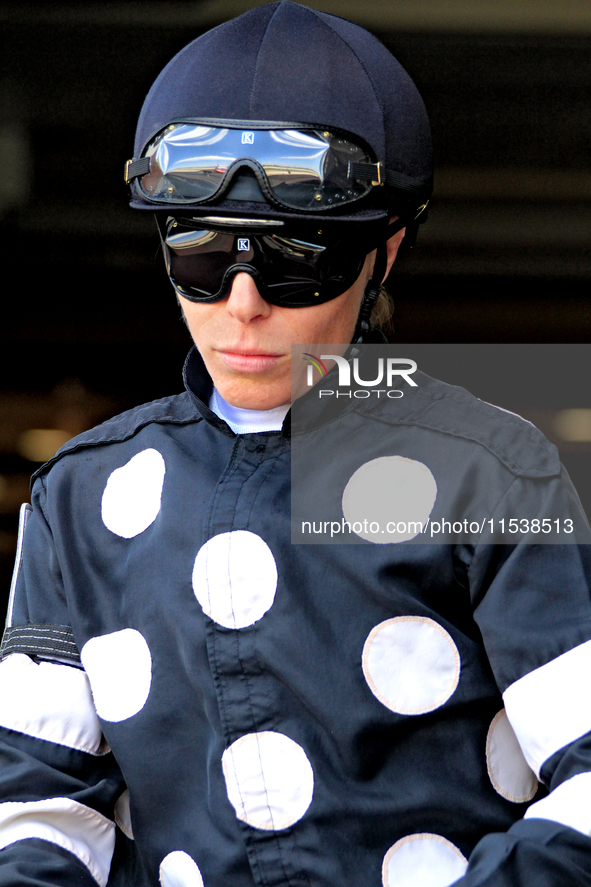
(244, 302)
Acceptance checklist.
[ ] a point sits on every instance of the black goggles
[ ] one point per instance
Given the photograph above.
(295, 268)
(297, 167)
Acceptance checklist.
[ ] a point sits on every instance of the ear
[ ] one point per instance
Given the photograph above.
(392, 247)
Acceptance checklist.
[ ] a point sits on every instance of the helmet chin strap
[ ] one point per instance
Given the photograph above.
(372, 289)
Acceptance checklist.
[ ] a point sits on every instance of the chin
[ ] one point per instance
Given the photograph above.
(255, 396)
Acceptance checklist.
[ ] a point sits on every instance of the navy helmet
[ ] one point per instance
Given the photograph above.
(286, 84)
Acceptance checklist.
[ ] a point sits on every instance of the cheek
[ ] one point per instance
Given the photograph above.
(309, 325)
(338, 323)
(198, 317)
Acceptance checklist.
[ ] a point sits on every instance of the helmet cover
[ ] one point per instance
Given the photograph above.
(286, 62)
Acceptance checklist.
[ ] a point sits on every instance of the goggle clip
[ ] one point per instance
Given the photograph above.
(136, 168)
(379, 166)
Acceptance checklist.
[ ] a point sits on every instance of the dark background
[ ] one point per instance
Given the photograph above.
(89, 321)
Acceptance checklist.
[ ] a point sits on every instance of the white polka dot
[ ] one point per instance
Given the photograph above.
(508, 770)
(131, 500)
(119, 668)
(235, 578)
(269, 780)
(178, 869)
(123, 814)
(423, 860)
(411, 664)
(391, 492)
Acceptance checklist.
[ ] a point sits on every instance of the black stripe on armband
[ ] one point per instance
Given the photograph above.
(53, 642)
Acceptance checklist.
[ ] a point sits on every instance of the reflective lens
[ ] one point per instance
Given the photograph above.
(306, 268)
(301, 169)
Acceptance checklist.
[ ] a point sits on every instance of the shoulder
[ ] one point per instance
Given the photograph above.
(455, 413)
(176, 410)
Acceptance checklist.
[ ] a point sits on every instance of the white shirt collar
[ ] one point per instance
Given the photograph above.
(243, 421)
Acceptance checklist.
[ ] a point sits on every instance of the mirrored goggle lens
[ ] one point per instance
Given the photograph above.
(303, 169)
(293, 271)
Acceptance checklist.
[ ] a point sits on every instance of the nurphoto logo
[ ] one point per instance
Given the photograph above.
(387, 370)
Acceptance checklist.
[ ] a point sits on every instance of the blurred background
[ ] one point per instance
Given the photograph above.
(89, 322)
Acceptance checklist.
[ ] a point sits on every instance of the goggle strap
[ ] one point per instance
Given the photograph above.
(136, 168)
(377, 174)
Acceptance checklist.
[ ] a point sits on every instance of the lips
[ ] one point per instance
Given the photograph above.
(249, 361)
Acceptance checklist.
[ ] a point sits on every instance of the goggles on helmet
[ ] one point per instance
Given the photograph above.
(295, 268)
(298, 167)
